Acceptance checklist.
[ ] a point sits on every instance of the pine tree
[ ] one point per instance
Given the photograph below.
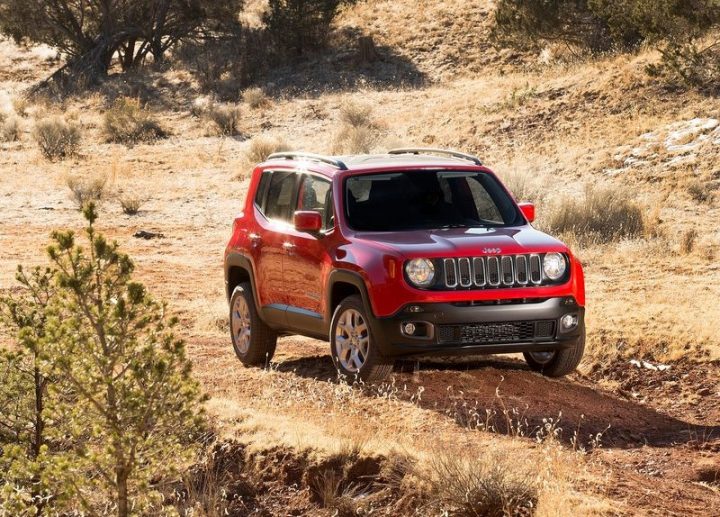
(32, 475)
(138, 409)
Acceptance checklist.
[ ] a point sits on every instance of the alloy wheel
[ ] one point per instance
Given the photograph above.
(240, 324)
(352, 340)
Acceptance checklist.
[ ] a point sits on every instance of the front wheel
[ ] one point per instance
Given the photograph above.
(353, 348)
(557, 363)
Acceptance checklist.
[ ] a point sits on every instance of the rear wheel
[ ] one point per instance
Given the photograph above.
(353, 348)
(254, 342)
(557, 363)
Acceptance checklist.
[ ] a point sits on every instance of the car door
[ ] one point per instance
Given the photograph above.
(307, 257)
(274, 207)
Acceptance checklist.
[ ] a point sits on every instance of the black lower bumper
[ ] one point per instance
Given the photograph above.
(469, 328)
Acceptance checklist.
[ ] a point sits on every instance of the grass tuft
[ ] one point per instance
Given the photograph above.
(84, 189)
(255, 98)
(225, 117)
(10, 130)
(128, 122)
(600, 215)
(57, 138)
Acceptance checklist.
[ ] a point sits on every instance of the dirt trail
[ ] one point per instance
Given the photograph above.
(662, 445)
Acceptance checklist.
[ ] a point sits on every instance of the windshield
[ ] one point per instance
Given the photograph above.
(427, 200)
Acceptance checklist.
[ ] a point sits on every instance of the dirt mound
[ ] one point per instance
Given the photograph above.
(231, 479)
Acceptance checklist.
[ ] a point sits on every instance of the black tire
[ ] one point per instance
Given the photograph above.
(259, 347)
(375, 367)
(562, 362)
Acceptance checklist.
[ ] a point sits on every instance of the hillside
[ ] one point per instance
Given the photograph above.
(612, 438)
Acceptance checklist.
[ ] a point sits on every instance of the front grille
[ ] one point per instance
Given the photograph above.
(492, 271)
(496, 333)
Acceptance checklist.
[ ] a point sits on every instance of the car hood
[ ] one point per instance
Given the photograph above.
(458, 242)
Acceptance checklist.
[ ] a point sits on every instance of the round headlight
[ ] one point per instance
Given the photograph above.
(420, 271)
(554, 266)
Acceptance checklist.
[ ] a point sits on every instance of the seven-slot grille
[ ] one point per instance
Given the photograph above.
(496, 333)
(493, 271)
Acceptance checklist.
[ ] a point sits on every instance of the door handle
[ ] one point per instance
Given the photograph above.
(289, 247)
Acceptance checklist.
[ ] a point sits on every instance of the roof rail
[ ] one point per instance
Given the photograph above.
(430, 150)
(295, 155)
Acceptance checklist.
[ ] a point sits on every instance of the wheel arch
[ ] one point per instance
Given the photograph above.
(238, 269)
(341, 284)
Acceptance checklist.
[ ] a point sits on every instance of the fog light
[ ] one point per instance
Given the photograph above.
(414, 308)
(569, 321)
(409, 329)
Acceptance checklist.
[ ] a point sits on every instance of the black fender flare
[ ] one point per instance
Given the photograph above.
(348, 277)
(235, 259)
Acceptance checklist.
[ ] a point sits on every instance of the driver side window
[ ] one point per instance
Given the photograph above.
(316, 195)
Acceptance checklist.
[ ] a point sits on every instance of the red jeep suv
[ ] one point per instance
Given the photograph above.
(415, 252)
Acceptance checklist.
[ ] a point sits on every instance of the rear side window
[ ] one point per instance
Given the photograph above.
(261, 194)
(280, 198)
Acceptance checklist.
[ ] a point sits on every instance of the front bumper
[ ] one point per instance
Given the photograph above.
(468, 328)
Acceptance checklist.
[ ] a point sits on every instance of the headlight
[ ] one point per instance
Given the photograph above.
(420, 271)
(554, 265)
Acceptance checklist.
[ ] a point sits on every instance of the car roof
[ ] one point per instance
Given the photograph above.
(369, 162)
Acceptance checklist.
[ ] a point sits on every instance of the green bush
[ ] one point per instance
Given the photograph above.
(678, 28)
(301, 25)
(602, 25)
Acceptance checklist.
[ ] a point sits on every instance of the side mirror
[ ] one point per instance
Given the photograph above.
(528, 210)
(307, 221)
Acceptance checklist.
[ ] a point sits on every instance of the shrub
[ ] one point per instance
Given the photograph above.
(699, 191)
(689, 64)
(301, 25)
(128, 122)
(687, 244)
(358, 132)
(131, 203)
(601, 215)
(57, 138)
(255, 98)
(602, 25)
(263, 146)
(474, 488)
(10, 131)
(20, 105)
(225, 117)
(86, 190)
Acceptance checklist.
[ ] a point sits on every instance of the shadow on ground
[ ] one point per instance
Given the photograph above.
(466, 390)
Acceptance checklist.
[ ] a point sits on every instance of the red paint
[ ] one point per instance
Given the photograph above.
(291, 266)
(528, 210)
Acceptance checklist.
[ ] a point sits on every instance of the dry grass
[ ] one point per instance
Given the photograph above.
(10, 130)
(128, 122)
(359, 132)
(700, 191)
(131, 203)
(255, 98)
(258, 150)
(601, 215)
(21, 104)
(687, 244)
(86, 189)
(225, 117)
(484, 488)
(57, 138)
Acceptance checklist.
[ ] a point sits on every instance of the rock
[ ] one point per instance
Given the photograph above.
(144, 234)
(704, 392)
